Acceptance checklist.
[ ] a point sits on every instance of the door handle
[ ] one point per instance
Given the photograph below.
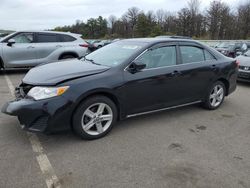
(58, 46)
(214, 67)
(176, 73)
(30, 47)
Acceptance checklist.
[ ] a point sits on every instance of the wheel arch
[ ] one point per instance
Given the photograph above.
(107, 94)
(68, 53)
(226, 83)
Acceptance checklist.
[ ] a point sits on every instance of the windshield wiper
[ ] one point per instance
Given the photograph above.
(91, 60)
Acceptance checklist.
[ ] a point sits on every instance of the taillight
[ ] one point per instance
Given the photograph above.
(237, 63)
(84, 45)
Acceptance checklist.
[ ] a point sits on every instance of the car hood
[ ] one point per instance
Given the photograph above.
(243, 60)
(57, 72)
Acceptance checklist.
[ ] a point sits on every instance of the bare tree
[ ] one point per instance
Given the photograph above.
(132, 16)
(244, 19)
(112, 19)
(160, 17)
(194, 9)
(194, 6)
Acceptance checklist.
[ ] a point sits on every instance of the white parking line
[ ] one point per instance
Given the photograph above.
(51, 179)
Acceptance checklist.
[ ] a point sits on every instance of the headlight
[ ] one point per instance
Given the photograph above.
(39, 93)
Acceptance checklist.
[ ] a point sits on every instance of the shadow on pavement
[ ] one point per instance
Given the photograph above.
(14, 71)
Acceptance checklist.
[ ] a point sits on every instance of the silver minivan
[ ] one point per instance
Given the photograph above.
(30, 48)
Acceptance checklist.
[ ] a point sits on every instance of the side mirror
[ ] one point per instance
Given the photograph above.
(11, 42)
(136, 67)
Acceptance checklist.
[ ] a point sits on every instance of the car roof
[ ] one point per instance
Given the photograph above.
(156, 40)
(52, 32)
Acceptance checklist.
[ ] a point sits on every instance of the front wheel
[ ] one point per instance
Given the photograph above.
(215, 96)
(95, 117)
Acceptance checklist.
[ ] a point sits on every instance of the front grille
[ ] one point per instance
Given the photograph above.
(22, 91)
(244, 68)
(244, 75)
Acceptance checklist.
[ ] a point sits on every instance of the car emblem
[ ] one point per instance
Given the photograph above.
(246, 68)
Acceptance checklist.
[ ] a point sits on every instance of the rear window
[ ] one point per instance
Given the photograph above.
(67, 38)
(191, 54)
(208, 56)
(43, 38)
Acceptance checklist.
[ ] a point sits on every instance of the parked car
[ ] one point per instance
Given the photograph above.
(29, 48)
(244, 67)
(101, 43)
(174, 37)
(124, 79)
(96, 44)
(231, 49)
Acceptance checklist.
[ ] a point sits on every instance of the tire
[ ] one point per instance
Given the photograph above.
(90, 124)
(67, 57)
(215, 96)
(1, 64)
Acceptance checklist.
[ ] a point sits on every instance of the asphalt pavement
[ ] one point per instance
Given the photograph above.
(188, 147)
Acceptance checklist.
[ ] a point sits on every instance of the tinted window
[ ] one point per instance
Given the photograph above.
(208, 56)
(67, 38)
(24, 38)
(47, 38)
(159, 57)
(191, 54)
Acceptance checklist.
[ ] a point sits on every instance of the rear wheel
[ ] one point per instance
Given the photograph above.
(95, 117)
(215, 96)
(67, 57)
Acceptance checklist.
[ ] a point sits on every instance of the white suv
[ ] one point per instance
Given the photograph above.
(30, 48)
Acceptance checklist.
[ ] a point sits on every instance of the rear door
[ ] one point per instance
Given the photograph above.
(46, 44)
(22, 53)
(198, 69)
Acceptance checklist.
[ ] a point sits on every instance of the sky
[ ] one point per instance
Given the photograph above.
(47, 14)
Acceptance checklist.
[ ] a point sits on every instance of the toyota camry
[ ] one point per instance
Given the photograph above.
(124, 79)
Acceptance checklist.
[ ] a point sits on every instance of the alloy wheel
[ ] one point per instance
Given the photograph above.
(216, 96)
(97, 118)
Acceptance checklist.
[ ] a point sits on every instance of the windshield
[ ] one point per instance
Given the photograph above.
(224, 45)
(114, 54)
(6, 36)
(247, 53)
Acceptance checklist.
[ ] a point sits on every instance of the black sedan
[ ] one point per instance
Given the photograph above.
(124, 79)
(244, 67)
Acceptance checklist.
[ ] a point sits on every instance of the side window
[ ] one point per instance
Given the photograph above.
(67, 38)
(24, 38)
(42, 38)
(208, 56)
(191, 54)
(159, 57)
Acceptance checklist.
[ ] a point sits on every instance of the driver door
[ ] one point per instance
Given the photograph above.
(22, 53)
(149, 88)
